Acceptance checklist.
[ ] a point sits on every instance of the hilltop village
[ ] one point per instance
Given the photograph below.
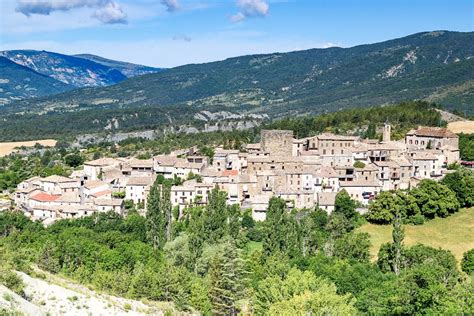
(304, 172)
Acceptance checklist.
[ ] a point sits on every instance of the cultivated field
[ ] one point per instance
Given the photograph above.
(8, 148)
(466, 127)
(454, 233)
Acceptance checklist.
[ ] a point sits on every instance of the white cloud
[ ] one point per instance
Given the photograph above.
(239, 16)
(107, 11)
(111, 13)
(250, 8)
(171, 5)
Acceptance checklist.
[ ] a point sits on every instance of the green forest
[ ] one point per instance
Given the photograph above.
(218, 260)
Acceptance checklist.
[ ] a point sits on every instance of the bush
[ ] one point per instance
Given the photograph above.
(467, 262)
(417, 219)
(12, 281)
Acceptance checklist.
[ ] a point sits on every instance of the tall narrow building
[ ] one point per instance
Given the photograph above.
(387, 131)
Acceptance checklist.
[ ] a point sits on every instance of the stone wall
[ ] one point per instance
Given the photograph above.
(277, 142)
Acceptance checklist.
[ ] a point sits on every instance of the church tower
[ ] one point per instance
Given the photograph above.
(387, 130)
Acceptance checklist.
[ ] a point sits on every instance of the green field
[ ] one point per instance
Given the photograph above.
(454, 233)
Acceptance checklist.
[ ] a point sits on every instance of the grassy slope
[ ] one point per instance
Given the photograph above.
(455, 233)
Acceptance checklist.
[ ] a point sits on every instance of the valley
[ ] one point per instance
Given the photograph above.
(431, 66)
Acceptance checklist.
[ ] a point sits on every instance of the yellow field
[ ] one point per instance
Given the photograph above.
(454, 233)
(466, 127)
(7, 148)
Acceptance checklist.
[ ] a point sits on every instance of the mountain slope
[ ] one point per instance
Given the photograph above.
(19, 82)
(430, 65)
(71, 70)
(128, 69)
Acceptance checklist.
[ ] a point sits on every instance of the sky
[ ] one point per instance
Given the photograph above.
(168, 33)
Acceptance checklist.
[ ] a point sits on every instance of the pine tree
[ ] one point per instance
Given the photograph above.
(398, 235)
(227, 277)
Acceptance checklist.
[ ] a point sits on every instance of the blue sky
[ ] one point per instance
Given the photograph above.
(169, 33)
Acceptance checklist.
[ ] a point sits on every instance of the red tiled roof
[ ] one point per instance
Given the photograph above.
(45, 197)
(439, 132)
(101, 193)
(227, 173)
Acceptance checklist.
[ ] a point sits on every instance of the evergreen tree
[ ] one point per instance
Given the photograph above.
(227, 276)
(398, 235)
(166, 209)
(155, 220)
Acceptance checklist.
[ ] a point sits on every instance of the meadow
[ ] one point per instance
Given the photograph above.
(454, 233)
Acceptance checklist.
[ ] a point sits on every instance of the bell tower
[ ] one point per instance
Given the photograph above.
(387, 131)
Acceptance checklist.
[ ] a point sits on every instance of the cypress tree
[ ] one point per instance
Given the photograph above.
(398, 235)
(154, 218)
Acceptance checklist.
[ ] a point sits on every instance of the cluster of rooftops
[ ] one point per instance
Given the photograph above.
(304, 172)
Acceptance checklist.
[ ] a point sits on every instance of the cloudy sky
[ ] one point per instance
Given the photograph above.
(167, 33)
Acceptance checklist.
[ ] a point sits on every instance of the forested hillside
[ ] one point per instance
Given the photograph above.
(19, 82)
(437, 66)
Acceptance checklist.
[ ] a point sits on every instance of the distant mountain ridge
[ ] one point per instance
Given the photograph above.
(75, 71)
(128, 69)
(19, 82)
(436, 66)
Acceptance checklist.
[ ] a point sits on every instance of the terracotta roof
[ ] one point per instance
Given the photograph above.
(108, 202)
(209, 172)
(57, 179)
(69, 198)
(138, 163)
(94, 184)
(141, 181)
(165, 160)
(45, 197)
(101, 193)
(101, 162)
(439, 132)
(227, 173)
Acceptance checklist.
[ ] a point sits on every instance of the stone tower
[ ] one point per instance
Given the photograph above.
(277, 142)
(387, 131)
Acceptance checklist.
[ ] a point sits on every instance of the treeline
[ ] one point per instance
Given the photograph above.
(61, 125)
(428, 200)
(217, 260)
(361, 121)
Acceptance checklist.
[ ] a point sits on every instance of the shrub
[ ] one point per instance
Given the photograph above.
(467, 262)
(417, 219)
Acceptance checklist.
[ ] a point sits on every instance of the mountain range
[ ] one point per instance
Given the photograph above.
(76, 71)
(436, 66)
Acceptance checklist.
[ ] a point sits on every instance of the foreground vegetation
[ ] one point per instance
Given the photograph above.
(209, 260)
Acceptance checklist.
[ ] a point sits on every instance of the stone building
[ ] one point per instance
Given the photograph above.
(431, 137)
(277, 142)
